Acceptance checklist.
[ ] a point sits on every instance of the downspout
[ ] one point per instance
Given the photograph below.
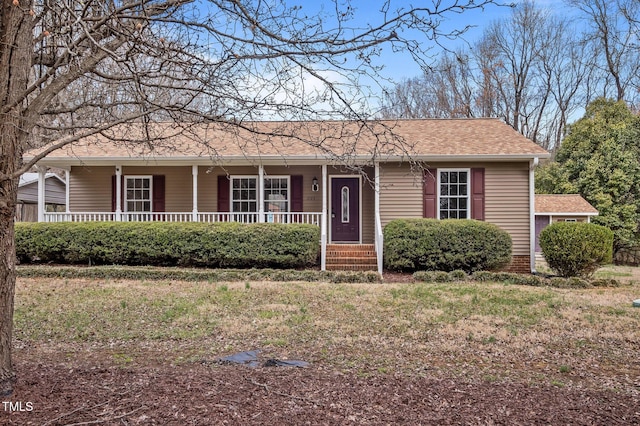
(532, 215)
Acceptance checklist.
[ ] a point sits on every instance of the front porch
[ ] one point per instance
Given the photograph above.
(344, 206)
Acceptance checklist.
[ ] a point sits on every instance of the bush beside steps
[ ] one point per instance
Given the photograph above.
(445, 245)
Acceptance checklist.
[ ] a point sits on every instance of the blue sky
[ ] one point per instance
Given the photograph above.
(398, 65)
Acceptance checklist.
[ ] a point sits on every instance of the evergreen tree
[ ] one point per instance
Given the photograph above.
(599, 159)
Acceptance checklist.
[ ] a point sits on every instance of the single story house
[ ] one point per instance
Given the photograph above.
(55, 190)
(348, 178)
(560, 208)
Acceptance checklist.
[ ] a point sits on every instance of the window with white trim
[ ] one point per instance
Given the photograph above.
(276, 194)
(244, 194)
(138, 194)
(453, 194)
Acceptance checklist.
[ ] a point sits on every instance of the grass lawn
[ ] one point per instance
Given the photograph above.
(482, 331)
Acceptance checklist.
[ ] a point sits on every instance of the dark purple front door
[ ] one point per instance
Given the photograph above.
(541, 223)
(345, 209)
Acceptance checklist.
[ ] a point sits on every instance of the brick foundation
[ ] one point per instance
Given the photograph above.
(519, 264)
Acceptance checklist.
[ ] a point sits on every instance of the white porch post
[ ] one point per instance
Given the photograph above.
(323, 223)
(118, 193)
(67, 179)
(41, 192)
(194, 175)
(261, 193)
(378, 224)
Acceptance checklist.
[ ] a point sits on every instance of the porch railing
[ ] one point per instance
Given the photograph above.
(79, 217)
(313, 218)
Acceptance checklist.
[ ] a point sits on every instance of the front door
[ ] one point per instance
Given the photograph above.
(541, 223)
(345, 209)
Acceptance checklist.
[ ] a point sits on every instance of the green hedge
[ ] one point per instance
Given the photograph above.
(576, 249)
(513, 278)
(158, 273)
(217, 245)
(445, 245)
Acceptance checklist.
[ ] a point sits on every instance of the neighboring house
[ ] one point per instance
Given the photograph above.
(560, 208)
(55, 200)
(450, 168)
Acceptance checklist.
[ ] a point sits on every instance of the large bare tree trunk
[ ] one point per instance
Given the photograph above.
(7, 280)
(15, 57)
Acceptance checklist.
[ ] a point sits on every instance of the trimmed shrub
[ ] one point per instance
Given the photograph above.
(458, 275)
(156, 273)
(225, 245)
(445, 245)
(440, 276)
(509, 278)
(576, 249)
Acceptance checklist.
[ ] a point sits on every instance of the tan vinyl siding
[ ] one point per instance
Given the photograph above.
(400, 192)
(368, 207)
(506, 196)
(207, 188)
(178, 195)
(507, 201)
(90, 189)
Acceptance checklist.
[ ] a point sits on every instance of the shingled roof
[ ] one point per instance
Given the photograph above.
(557, 204)
(382, 140)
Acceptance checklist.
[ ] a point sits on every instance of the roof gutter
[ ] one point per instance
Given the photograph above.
(278, 159)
